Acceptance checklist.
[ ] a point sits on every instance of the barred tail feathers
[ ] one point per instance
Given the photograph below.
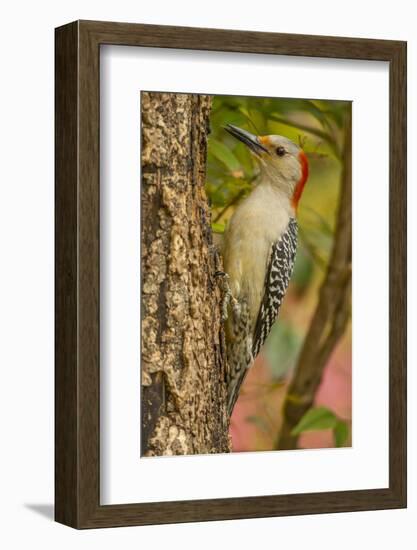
(239, 352)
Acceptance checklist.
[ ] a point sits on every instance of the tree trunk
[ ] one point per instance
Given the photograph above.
(183, 354)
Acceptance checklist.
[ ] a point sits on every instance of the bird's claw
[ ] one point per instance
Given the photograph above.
(228, 297)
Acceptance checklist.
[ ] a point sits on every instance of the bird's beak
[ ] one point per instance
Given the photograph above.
(247, 138)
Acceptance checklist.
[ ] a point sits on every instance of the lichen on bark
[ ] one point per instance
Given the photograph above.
(183, 358)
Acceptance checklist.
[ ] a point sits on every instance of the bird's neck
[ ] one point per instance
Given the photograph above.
(299, 188)
(277, 189)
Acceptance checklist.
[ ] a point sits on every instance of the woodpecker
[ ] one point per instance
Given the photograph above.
(259, 250)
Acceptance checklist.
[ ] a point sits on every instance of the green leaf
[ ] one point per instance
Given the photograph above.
(340, 432)
(255, 119)
(224, 155)
(316, 418)
(218, 227)
(321, 418)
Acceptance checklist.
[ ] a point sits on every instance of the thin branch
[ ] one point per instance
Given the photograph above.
(311, 130)
(312, 250)
(331, 315)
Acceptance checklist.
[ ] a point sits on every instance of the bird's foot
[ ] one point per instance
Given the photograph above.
(228, 298)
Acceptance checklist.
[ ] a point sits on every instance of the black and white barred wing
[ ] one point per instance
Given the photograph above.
(278, 275)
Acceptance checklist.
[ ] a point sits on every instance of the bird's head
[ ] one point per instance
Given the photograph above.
(282, 162)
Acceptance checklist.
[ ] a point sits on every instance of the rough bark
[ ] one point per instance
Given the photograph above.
(183, 356)
(331, 315)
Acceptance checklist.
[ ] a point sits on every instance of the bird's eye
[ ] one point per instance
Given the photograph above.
(280, 151)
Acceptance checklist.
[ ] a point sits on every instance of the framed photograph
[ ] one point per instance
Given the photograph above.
(230, 274)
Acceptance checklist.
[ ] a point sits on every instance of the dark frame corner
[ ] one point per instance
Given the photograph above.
(77, 274)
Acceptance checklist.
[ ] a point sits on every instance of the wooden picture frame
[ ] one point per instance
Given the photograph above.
(77, 405)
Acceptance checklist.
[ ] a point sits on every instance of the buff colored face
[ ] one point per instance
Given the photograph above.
(280, 158)
(279, 150)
